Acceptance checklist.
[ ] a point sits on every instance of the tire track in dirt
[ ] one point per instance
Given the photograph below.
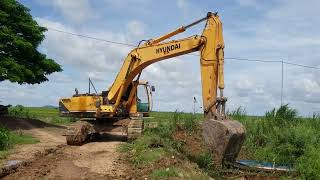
(49, 137)
(52, 159)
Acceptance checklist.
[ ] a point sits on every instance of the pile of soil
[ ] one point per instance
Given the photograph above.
(16, 123)
(193, 144)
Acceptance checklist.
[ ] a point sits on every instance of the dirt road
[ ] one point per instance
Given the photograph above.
(52, 159)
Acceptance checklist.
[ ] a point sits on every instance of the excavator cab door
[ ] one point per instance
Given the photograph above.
(144, 98)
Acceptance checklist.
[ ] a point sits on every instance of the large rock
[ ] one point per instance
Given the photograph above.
(224, 138)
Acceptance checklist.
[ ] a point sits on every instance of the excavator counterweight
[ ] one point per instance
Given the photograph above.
(223, 136)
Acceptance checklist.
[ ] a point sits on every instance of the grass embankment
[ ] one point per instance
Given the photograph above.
(280, 137)
(165, 151)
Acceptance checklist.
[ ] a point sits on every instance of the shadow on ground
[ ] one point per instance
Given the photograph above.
(109, 137)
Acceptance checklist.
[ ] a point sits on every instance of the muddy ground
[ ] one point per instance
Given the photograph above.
(52, 159)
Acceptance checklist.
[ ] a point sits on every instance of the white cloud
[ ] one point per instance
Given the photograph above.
(60, 77)
(136, 28)
(249, 3)
(85, 54)
(182, 4)
(288, 31)
(77, 11)
(177, 81)
(96, 76)
(126, 2)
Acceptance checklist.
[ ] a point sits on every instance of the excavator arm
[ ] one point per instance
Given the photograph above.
(210, 45)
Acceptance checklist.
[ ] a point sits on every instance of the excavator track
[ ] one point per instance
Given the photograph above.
(82, 131)
(135, 126)
(134, 129)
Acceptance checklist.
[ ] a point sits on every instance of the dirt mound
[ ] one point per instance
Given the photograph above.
(177, 161)
(15, 123)
(192, 142)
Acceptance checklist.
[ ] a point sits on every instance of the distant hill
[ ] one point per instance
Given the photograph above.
(50, 106)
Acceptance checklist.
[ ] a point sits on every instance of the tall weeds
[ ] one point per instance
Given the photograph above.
(281, 137)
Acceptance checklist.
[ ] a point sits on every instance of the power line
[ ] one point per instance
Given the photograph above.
(301, 65)
(90, 37)
(256, 60)
(231, 58)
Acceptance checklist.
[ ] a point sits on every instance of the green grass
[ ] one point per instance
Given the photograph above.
(148, 156)
(145, 150)
(165, 173)
(18, 138)
(9, 139)
(4, 154)
(49, 115)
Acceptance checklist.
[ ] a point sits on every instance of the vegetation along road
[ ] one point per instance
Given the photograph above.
(172, 149)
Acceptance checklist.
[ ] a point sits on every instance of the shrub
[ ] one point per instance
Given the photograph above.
(19, 111)
(4, 138)
(205, 160)
(282, 115)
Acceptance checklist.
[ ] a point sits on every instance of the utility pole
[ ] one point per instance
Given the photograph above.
(281, 82)
(194, 105)
(89, 85)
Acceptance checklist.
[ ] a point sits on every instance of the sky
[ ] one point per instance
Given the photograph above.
(287, 30)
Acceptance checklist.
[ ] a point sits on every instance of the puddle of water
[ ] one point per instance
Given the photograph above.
(12, 163)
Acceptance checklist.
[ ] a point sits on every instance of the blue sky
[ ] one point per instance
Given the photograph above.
(256, 29)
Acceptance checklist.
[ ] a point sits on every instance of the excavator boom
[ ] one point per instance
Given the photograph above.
(210, 45)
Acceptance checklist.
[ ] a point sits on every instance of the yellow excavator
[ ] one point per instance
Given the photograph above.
(222, 135)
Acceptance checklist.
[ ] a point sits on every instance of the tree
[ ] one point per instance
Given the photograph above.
(20, 36)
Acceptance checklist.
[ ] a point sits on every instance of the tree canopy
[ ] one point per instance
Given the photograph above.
(20, 36)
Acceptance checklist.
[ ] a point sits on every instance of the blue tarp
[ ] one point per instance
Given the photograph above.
(265, 165)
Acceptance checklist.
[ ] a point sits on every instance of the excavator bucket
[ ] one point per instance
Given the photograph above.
(224, 139)
(79, 132)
